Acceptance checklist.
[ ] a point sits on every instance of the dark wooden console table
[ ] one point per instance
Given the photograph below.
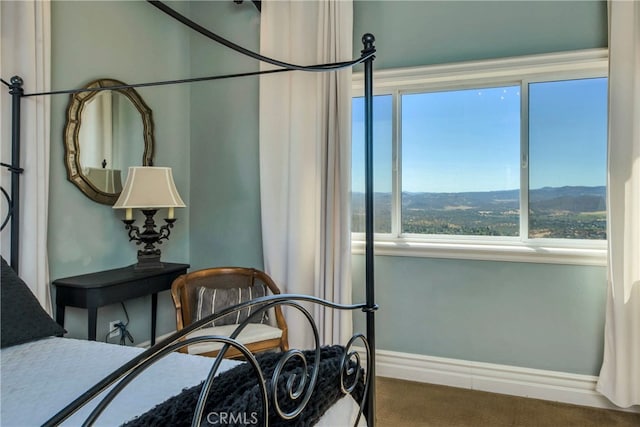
(95, 290)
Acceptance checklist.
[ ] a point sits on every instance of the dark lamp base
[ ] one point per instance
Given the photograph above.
(149, 256)
(148, 262)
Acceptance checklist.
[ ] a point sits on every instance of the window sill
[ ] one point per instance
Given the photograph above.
(499, 251)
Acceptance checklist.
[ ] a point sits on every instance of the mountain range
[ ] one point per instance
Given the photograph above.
(575, 212)
(575, 199)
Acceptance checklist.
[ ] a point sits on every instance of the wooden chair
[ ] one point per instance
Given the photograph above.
(188, 288)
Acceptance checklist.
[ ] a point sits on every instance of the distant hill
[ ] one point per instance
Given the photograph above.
(562, 199)
(489, 200)
(568, 199)
(554, 212)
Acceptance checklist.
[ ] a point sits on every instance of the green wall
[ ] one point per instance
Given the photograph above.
(523, 314)
(225, 202)
(530, 315)
(133, 42)
(413, 33)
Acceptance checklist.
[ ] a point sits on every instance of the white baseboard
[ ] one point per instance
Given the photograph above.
(516, 381)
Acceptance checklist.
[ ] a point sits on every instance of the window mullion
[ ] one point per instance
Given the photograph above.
(524, 160)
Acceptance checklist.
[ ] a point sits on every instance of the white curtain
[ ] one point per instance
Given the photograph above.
(305, 159)
(620, 373)
(26, 52)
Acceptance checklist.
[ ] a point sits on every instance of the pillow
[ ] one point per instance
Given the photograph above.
(22, 318)
(214, 300)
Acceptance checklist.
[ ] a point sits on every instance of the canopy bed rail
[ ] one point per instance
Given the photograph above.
(350, 364)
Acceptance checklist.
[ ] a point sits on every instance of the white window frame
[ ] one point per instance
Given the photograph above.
(473, 74)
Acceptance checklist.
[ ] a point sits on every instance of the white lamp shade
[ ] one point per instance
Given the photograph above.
(149, 187)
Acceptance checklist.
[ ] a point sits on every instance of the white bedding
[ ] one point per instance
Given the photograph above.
(40, 378)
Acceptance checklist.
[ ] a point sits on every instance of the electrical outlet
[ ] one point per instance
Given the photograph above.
(114, 332)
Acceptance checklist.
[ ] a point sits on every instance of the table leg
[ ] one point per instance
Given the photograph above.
(60, 314)
(93, 323)
(154, 310)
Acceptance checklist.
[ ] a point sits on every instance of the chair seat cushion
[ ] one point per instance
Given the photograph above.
(253, 332)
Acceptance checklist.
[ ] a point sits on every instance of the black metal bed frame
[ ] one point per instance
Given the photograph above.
(126, 373)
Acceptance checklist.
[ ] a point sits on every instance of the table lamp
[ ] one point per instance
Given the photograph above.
(149, 188)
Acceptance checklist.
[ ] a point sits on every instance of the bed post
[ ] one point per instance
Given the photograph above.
(16, 91)
(367, 41)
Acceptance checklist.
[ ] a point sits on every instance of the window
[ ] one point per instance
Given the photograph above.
(460, 162)
(567, 159)
(491, 160)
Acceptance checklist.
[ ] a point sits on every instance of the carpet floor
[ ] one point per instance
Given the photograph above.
(410, 404)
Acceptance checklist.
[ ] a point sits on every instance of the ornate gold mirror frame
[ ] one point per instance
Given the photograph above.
(78, 173)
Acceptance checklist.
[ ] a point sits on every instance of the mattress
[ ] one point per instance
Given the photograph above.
(39, 378)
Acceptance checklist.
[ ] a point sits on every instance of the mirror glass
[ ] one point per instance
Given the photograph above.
(107, 131)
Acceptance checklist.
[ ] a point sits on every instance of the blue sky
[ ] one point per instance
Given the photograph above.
(469, 140)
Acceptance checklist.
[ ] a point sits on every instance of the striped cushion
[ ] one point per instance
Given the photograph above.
(214, 300)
